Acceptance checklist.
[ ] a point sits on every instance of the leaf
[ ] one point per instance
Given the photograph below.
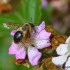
(32, 10)
(46, 14)
(27, 11)
(13, 16)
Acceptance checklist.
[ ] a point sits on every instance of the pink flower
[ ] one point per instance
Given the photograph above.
(60, 4)
(40, 40)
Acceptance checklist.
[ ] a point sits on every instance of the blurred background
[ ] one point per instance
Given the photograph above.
(53, 12)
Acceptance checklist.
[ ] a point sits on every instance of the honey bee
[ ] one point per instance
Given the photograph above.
(23, 33)
(22, 38)
(5, 6)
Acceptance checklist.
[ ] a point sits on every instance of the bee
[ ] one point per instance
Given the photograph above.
(23, 33)
(5, 6)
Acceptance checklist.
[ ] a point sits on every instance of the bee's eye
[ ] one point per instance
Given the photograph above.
(18, 36)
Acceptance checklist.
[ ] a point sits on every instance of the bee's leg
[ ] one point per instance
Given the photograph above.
(11, 25)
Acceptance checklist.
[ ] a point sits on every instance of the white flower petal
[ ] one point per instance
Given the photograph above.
(67, 68)
(68, 40)
(62, 49)
(42, 44)
(67, 65)
(60, 60)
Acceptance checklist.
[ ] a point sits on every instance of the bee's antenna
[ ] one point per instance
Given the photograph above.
(31, 19)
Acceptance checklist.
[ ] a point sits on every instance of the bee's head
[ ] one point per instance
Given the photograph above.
(23, 33)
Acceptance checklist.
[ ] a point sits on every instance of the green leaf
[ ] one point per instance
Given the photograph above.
(32, 11)
(10, 18)
(14, 16)
(46, 14)
(27, 11)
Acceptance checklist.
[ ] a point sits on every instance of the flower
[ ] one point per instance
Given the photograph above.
(40, 40)
(59, 4)
(44, 3)
(63, 51)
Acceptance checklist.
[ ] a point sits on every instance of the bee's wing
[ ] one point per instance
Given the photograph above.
(11, 25)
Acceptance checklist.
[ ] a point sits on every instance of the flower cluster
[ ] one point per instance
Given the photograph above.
(40, 40)
(59, 4)
(63, 50)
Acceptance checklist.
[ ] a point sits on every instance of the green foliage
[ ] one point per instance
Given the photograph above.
(27, 11)
(46, 14)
